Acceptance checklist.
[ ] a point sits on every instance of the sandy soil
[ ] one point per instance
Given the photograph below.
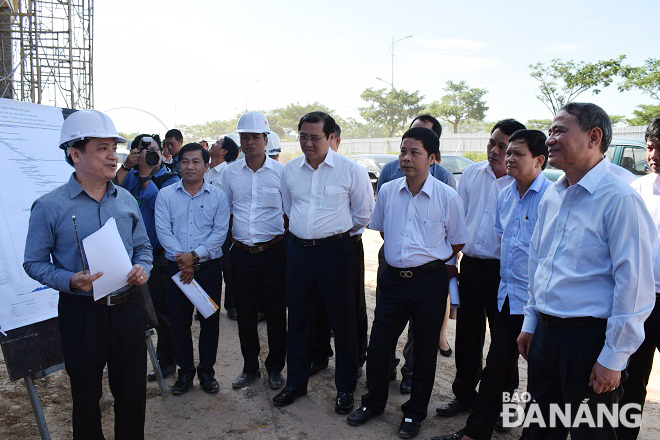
(249, 413)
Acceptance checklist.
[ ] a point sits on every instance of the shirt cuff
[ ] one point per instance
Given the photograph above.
(203, 253)
(529, 324)
(63, 282)
(613, 360)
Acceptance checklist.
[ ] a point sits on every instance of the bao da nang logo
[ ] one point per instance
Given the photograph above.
(570, 416)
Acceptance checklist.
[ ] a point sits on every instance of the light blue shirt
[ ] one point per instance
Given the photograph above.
(392, 171)
(186, 223)
(51, 250)
(591, 255)
(514, 223)
(422, 228)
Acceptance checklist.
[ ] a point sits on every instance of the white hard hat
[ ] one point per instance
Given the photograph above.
(274, 146)
(253, 122)
(86, 124)
(234, 137)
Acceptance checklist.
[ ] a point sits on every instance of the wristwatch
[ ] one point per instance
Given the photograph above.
(144, 180)
(195, 258)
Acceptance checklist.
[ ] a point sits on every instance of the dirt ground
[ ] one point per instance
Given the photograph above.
(249, 414)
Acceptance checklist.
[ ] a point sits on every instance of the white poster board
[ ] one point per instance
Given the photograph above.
(33, 166)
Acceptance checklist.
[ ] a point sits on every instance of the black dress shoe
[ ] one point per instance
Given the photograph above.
(451, 408)
(183, 383)
(209, 384)
(344, 403)
(275, 380)
(288, 395)
(317, 366)
(165, 370)
(406, 385)
(456, 436)
(408, 428)
(446, 353)
(232, 313)
(244, 379)
(362, 415)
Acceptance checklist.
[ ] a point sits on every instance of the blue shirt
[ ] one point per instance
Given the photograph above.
(515, 219)
(591, 255)
(51, 250)
(393, 171)
(147, 199)
(186, 223)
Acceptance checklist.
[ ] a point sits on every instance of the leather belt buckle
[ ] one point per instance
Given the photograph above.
(108, 301)
(256, 249)
(406, 273)
(308, 243)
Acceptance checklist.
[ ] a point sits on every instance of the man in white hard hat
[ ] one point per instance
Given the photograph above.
(274, 147)
(326, 197)
(109, 331)
(258, 256)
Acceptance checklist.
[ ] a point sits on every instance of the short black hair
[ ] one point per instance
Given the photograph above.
(314, 117)
(428, 138)
(174, 133)
(194, 146)
(535, 140)
(138, 139)
(80, 145)
(231, 147)
(508, 126)
(337, 130)
(437, 128)
(590, 116)
(653, 131)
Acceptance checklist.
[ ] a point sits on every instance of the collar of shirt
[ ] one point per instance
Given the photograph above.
(205, 188)
(427, 188)
(537, 184)
(75, 188)
(267, 164)
(589, 181)
(219, 166)
(329, 159)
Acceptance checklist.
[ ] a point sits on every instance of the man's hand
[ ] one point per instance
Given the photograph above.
(83, 281)
(452, 271)
(187, 275)
(137, 276)
(132, 159)
(524, 342)
(604, 380)
(184, 260)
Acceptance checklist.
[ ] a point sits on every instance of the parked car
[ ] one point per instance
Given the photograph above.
(627, 153)
(373, 163)
(455, 164)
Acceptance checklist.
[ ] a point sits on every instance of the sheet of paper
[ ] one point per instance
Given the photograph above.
(106, 253)
(197, 296)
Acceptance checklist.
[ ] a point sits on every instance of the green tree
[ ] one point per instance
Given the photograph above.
(644, 114)
(354, 129)
(539, 124)
(210, 130)
(284, 120)
(391, 109)
(645, 78)
(563, 81)
(461, 103)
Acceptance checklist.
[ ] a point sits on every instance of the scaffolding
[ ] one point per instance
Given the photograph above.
(46, 48)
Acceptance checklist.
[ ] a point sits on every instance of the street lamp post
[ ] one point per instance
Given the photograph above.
(392, 52)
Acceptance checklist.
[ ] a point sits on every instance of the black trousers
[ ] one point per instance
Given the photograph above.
(209, 277)
(501, 368)
(226, 270)
(321, 349)
(639, 370)
(423, 298)
(94, 335)
(480, 280)
(156, 283)
(259, 279)
(324, 273)
(560, 363)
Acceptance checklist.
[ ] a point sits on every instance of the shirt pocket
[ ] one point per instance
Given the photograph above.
(526, 231)
(434, 233)
(271, 198)
(204, 218)
(587, 252)
(333, 196)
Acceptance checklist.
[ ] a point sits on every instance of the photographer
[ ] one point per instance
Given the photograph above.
(143, 175)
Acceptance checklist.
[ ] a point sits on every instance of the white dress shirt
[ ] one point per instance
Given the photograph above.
(623, 173)
(590, 255)
(422, 228)
(255, 200)
(514, 223)
(479, 189)
(336, 197)
(648, 187)
(214, 175)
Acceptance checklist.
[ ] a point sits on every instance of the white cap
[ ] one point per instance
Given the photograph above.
(253, 122)
(86, 124)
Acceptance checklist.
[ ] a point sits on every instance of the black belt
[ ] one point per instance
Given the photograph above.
(554, 321)
(110, 300)
(482, 262)
(414, 272)
(320, 241)
(259, 247)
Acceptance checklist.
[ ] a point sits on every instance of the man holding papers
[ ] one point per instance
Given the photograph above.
(192, 218)
(109, 331)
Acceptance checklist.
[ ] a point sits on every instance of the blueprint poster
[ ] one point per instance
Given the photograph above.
(33, 166)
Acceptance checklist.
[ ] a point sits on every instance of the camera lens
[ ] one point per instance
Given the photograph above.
(151, 158)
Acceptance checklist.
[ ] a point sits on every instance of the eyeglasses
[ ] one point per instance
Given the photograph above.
(304, 138)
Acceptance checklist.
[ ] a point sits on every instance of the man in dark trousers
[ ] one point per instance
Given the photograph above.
(109, 331)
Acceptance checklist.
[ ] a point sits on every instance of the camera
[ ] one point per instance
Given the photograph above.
(152, 157)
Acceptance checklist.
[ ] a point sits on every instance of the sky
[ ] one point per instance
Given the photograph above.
(203, 60)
